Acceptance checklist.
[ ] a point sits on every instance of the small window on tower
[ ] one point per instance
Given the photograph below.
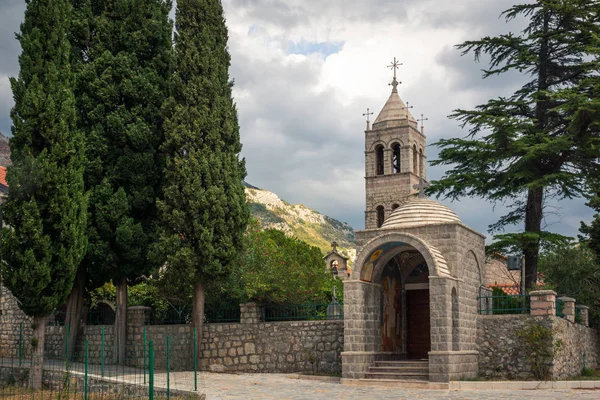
(379, 160)
(380, 216)
(415, 160)
(396, 158)
(421, 162)
(394, 206)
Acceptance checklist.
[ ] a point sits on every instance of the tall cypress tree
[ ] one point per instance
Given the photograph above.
(203, 213)
(122, 61)
(46, 207)
(541, 141)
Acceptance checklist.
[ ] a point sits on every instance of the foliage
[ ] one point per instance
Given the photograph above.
(503, 303)
(591, 232)
(203, 212)
(539, 346)
(574, 270)
(122, 53)
(46, 207)
(275, 268)
(540, 142)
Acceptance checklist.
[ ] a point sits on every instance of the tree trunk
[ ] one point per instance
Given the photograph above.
(121, 319)
(74, 314)
(198, 313)
(37, 350)
(533, 224)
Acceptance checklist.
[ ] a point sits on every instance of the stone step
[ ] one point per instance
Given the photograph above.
(411, 364)
(418, 376)
(406, 384)
(399, 370)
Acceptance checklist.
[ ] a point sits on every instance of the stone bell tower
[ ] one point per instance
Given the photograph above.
(394, 157)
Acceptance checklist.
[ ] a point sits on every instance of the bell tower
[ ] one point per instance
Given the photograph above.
(394, 157)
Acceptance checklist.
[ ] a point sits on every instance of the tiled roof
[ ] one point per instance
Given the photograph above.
(507, 288)
(3, 176)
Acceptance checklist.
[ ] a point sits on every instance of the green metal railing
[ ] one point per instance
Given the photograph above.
(560, 308)
(506, 304)
(223, 314)
(303, 312)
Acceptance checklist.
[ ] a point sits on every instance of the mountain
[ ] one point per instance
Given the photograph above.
(4, 151)
(300, 221)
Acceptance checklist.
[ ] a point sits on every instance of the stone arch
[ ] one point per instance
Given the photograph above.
(377, 143)
(464, 262)
(395, 140)
(434, 259)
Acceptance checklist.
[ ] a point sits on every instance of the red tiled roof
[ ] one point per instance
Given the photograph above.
(3, 176)
(507, 288)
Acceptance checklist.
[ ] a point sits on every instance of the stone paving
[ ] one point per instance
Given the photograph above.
(280, 386)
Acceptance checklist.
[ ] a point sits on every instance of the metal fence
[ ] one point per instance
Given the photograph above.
(504, 304)
(89, 371)
(303, 312)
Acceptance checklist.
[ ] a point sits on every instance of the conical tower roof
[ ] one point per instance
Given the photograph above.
(394, 108)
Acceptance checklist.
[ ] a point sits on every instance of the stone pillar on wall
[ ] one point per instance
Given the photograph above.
(584, 312)
(136, 316)
(569, 308)
(136, 320)
(249, 313)
(543, 303)
(362, 338)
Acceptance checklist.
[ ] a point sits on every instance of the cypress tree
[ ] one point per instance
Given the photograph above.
(46, 207)
(541, 142)
(122, 53)
(203, 212)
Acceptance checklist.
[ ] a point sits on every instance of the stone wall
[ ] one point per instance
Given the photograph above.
(581, 348)
(249, 346)
(12, 320)
(501, 354)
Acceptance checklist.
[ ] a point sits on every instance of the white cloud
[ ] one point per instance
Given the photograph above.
(301, 114)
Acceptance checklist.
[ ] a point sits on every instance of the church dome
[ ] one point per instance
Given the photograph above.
(420, 212)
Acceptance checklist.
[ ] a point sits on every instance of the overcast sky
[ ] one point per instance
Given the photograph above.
(306, 70)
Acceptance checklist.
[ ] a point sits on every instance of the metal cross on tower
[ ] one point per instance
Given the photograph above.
(394, 66)
(407, 106)
(421, 187)
(422, 120)
(367, 115)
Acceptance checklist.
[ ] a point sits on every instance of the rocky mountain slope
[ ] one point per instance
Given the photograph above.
(4, 151)
(300, 221)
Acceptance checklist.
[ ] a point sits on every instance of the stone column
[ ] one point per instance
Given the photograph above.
(362, 336)
(543, 303)
(249, 313)
(387, 161)
(569, 308)
(584, 312)
(136, 320)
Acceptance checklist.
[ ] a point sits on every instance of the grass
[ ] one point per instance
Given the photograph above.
(587, 374)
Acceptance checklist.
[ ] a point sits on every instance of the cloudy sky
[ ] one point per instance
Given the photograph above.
(306, 70)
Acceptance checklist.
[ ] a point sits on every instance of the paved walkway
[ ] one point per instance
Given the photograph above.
(280, 386)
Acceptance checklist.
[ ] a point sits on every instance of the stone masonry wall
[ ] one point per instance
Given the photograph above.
(501, 354)
(11, 319)
(581, 348)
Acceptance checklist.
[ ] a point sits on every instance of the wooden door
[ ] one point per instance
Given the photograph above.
(417, 317)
